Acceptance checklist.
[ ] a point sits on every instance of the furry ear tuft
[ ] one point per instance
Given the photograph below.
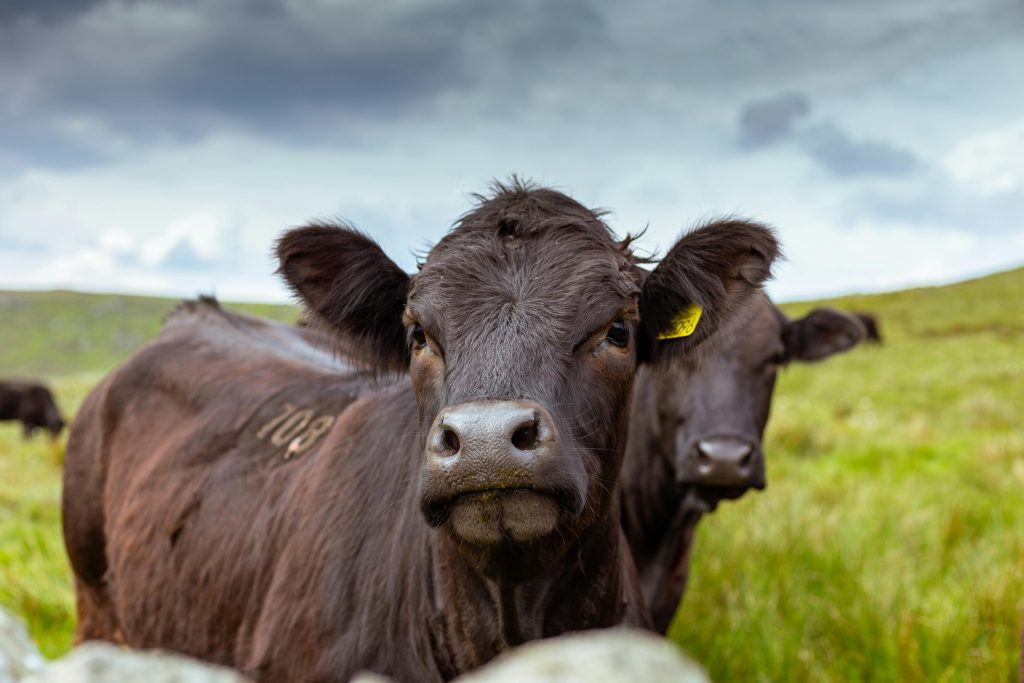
(718, 267)
(345, 280)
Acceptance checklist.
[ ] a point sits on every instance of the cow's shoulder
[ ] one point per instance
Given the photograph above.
(225, 376)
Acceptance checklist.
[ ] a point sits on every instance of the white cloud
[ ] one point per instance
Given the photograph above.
(991, 162)
(117, 242)
(203, 229)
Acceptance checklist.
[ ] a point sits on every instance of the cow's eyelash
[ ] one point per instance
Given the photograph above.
(603, 330)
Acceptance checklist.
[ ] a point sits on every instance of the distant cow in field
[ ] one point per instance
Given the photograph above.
(695, 438)
(32, 404)
(231, 500)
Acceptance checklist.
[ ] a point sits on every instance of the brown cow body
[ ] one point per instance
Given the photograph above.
(31, 404)
(230, 502)
(443, 516)
(695, 438)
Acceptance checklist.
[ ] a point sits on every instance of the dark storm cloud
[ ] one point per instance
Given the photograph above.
(846, 157)
(42, 10)
(338, 73)
(772, 119)
(185, 68)
(783, 119)
(260, 70)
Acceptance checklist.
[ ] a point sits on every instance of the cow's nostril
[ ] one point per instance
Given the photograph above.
(705, 461)
(526, 436)
(747, 459)
(450, 441)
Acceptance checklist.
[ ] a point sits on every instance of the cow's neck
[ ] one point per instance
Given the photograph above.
(659, 524)
(650, 499)
(488, 614)
(663, 579)
(650, 496)
(658, 516)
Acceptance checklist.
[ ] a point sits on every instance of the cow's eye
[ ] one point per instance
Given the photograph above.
(618, 333)
(777, 360)
(419, 337)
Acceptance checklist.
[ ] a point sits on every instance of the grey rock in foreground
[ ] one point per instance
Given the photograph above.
(19, 656)
(616, 655)
(105, 663)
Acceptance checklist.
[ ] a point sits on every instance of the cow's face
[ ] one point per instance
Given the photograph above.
(713, 417)
(522, 333)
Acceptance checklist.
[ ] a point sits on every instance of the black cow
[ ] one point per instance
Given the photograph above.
(695, 437)
(32, 404)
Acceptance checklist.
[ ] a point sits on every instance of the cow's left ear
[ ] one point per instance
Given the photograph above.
(701, 285)
(820, 334)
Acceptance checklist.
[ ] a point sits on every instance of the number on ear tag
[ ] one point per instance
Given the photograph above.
(684, 324)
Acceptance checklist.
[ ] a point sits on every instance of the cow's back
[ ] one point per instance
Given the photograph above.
(192, 468)
(10, 400)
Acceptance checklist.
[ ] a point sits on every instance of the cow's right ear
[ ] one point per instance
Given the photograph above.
(346, 281)
(821, 333)
(701, 284)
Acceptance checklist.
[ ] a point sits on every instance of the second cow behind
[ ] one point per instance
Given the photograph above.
(695, 437)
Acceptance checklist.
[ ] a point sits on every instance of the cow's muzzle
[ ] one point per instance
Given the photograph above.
(494, 471)
(724, 462)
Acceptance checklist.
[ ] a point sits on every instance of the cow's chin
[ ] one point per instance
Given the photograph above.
(495, 518)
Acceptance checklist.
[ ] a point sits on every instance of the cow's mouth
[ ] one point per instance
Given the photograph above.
(495, 515)
(711, 496)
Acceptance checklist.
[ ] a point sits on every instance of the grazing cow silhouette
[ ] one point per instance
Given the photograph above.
(32, 404)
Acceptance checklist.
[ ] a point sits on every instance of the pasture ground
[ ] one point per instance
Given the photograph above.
(889, 545)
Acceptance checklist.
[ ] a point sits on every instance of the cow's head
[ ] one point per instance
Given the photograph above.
(41, 410)
(522, 332)
(712, 417)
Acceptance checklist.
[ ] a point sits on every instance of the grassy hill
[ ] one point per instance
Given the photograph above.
(888, 546)
(70, 340)
(52, 334)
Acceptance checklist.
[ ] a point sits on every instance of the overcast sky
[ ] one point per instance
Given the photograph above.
(160, 147)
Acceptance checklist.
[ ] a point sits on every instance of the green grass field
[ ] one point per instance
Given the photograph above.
(889, 545)
(69, 340)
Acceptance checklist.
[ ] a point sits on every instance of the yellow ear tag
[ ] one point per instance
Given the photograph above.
(683, 324)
